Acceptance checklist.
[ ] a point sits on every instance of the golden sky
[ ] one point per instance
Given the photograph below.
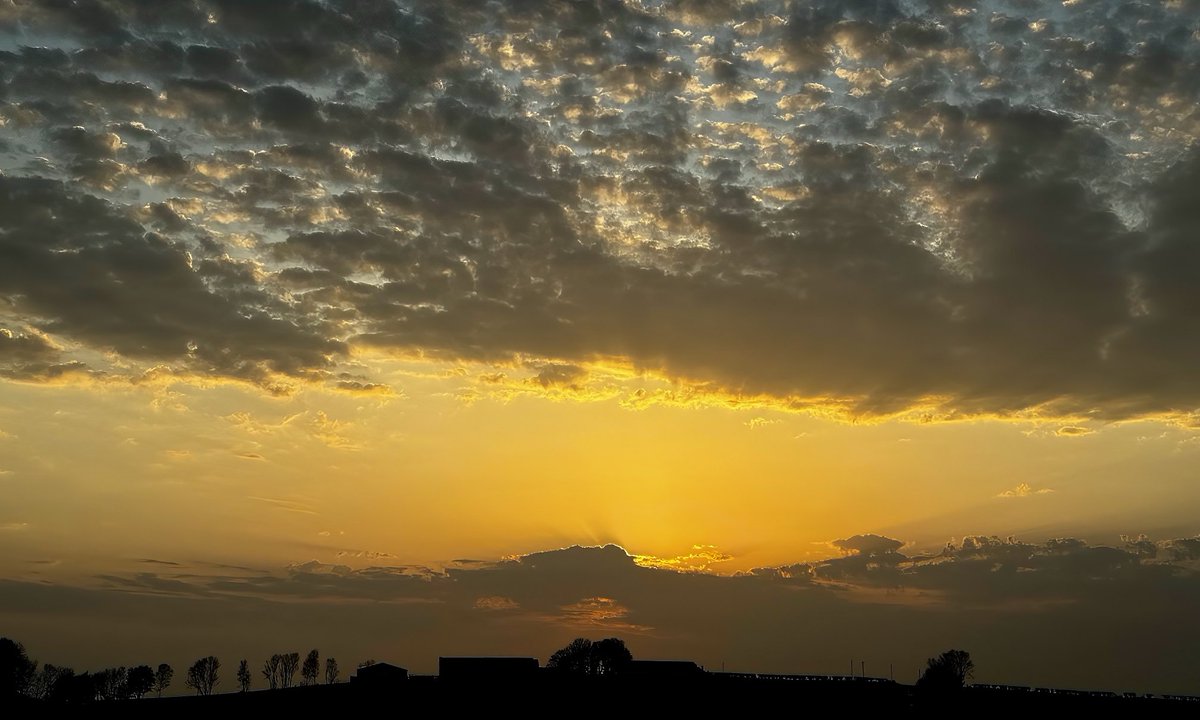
(681, 321)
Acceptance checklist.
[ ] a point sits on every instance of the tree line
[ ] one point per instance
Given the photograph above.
(22, 676)
(280, 670)
(19, 675)
(585, 657)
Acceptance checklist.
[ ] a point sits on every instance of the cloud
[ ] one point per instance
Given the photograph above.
(357, 387)
(1045, 602)
(364, 554)
(148, 298)
(601, 612)
(25, 354)
(1073, 431)
(1142, 546)
(868, 545)
(701, 558)
(291, 505)
(863, 211)
(317, 424)
(1024, 490)
(757, 423)
(496, 602)
(1183, 548)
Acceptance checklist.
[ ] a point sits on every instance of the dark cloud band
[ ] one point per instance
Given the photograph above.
(887, 207)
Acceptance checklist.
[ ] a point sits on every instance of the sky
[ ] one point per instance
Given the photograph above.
(771, 335)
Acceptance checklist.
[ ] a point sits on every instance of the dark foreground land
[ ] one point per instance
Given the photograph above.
(708, 695)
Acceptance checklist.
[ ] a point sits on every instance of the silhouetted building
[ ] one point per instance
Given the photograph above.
(379, 675)
(487, 668)
(669, 669)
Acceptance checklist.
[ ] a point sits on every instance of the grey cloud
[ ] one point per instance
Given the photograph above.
(92, 275)
(28, 356)
(869, 545)
(297, 60)
(1032, 595)
(1183, 548)
(129, 58)
(882, 205)
(559, 374)
(216, 62)
(218, 105)
(167, 165)
(80, 143)
(975, 571)
(17, 347)
(289, 109)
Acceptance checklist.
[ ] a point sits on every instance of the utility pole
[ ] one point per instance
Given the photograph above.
(863, 668)
(851, 667)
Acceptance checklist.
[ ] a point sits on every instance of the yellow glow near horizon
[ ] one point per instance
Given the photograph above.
(439, 470)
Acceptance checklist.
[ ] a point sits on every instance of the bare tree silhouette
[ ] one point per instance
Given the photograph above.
(51, 682)
(243, 676)
(111, 683)
(311, 668)
(16, 669)
(162, 678)
(139, 681)
(202, 675)
(271, 670)
(288, 664)
(331, 671)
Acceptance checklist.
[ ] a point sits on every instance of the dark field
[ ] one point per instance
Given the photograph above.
(710, 695)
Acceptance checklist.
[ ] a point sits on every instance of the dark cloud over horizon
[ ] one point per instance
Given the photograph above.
(1024, 610)
(883, 206)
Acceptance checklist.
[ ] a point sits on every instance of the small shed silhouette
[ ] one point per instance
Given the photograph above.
(378, 675)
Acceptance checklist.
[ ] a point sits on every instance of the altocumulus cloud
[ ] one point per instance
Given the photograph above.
(1012, 602)
(880, 207)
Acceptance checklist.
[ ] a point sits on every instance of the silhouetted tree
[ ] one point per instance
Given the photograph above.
(16, 669)
(574, 658)
(947, 672)
(288, 665)
(139, 681)
(50, 683)
(111, 684)
(162, 678)
(243, 675)
(609, 656)
(202, 675)
(311, 668)
(271, 670)
(584, 657)
(65, 686)
(331, 671)
(81, 688)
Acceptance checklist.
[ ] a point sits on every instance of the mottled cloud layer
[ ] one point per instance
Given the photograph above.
(881, 207)
(1026, 611)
